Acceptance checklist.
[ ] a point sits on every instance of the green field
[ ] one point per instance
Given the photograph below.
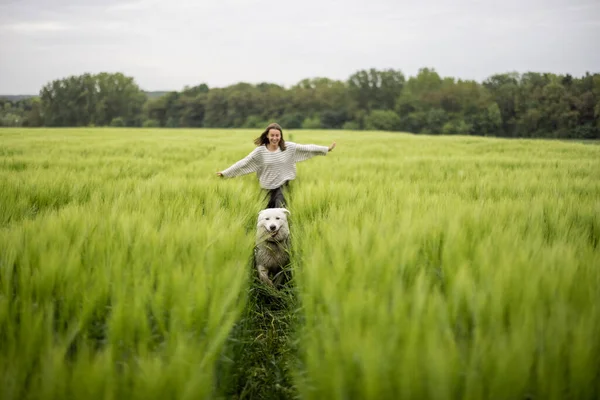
(424, 268)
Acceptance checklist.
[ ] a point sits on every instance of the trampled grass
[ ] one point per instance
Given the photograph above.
(424, 267)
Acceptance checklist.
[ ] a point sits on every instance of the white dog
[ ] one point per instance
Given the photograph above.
(271, 252)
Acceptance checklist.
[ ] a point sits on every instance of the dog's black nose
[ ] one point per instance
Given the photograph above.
(272, 227)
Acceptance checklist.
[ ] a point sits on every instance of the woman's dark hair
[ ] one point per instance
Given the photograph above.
(263, 139)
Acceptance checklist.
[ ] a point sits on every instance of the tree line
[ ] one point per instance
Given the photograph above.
(531, 104)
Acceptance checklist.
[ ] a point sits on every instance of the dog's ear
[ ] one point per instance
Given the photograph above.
(285, 210)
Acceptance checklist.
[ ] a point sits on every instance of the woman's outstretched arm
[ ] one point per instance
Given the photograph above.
(246, 165)
(306, 151)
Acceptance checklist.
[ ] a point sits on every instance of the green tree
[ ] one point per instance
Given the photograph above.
(504, 89)
(91, 99)
(193, 110)
(33, 115)
(456, 127)
(311, 123)
(374, 89)
(420, 104)
(385, 120)
(436, 118)
(291, 120)
(216, 109)
(528, 105)
(118, 96)
(155, 109)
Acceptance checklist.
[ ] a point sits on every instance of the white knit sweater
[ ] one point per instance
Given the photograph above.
(273, 168)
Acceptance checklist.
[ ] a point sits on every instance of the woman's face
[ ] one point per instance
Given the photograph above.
(274, 137)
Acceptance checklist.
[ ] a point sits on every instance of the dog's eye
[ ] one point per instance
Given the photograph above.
(277, 218)
(267, 218)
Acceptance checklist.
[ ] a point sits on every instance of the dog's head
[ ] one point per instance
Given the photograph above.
(273, 224)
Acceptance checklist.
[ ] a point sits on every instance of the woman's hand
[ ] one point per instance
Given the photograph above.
(332, 146)
(220, 173)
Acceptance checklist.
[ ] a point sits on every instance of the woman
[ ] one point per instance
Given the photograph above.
(274, 162)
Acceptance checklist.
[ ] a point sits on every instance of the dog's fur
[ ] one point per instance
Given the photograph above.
(271, 253)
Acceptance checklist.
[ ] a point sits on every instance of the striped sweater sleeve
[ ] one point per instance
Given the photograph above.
(306, 151)
(248, 164)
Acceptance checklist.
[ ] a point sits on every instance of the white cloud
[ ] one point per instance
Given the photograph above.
(38, 27)
(167, 44)
(132, 6)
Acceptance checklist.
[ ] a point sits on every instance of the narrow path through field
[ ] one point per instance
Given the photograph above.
(260, 353)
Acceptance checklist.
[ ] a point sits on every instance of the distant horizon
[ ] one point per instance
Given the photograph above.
(288, 86)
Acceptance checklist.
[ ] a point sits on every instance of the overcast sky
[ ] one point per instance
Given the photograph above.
(166, 45)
